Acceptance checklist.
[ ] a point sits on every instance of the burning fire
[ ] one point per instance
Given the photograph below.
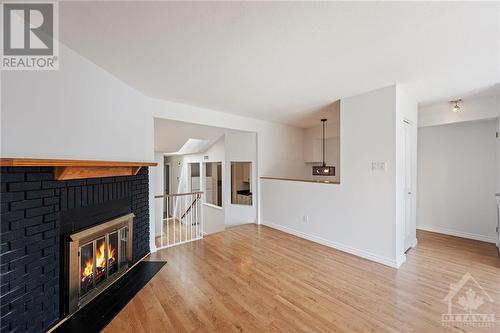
(100, 261)
(87, 271)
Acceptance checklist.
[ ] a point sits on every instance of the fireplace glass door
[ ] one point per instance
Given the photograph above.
(102, 258)
(86, 268)
(123, 235)
(113, 253)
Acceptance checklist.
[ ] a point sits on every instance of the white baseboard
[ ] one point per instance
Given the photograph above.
(401, 260)
(338, 246)
(456, 233)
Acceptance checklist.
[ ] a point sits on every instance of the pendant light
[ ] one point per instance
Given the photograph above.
(323, 170)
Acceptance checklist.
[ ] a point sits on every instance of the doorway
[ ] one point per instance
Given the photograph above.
(194, 177)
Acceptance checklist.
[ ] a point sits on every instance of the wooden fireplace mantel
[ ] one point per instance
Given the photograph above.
(79, 169)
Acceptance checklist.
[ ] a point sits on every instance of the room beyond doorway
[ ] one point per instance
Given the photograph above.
(197, 158)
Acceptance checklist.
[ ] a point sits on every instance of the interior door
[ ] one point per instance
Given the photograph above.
(407, 185)
(498, 184)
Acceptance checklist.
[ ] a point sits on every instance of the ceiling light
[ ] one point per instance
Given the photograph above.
(323, 170)
(457, 108)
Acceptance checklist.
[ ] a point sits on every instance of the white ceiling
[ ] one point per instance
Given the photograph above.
(172, 136)
(285, 61)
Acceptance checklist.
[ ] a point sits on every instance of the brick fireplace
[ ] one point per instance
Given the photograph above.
(38, 216)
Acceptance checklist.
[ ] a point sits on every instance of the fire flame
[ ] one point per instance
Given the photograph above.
(100, 260)
(89, 268)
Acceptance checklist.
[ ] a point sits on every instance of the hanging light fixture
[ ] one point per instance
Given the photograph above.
(323, 170)
(456, 107)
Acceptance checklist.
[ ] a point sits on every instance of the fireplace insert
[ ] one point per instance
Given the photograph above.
(96, 257)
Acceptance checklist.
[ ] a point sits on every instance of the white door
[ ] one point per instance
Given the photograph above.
(407, 185)
(498, 185)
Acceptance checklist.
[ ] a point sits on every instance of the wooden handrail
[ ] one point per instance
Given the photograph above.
(176, 194)
(195, 201)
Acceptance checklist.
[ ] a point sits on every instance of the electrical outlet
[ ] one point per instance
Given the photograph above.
(305, 218)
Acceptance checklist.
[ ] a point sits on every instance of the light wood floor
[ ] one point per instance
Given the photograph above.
(257, 279)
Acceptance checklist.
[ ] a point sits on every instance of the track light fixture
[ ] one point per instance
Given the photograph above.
(457, 108)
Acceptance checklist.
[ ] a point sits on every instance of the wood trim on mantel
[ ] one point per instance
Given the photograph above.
(79, 169)
(59, 162)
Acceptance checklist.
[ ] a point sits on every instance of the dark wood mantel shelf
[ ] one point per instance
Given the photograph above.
(78, 169)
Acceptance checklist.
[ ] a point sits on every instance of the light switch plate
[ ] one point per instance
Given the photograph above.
(379, 166)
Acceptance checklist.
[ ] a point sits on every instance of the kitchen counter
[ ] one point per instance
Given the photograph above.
(304, 180)
(244, 192)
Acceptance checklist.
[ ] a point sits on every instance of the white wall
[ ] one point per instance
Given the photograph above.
(498, 171)
(456, 179)
(77, 112)
(214, 217)
(156, 185)
(359, 215)
(240, 147)
(498, 149)
(83, 112)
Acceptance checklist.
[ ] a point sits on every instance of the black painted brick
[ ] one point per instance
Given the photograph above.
(12, 216)
(51, 201)
(54, 184)
(26, 222)
(24, 186)
(40, 194)
(93, 181)
(25, 204)
(10, 197)
(39, 176)
(76, 182)
(51, 217)
(11, 177)
(30, 250)
(38, 229)
(39, 211)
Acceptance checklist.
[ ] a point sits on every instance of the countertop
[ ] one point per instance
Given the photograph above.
(304, 180)
(244, 192)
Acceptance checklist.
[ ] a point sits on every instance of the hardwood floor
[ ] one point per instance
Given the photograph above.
(257, 279)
